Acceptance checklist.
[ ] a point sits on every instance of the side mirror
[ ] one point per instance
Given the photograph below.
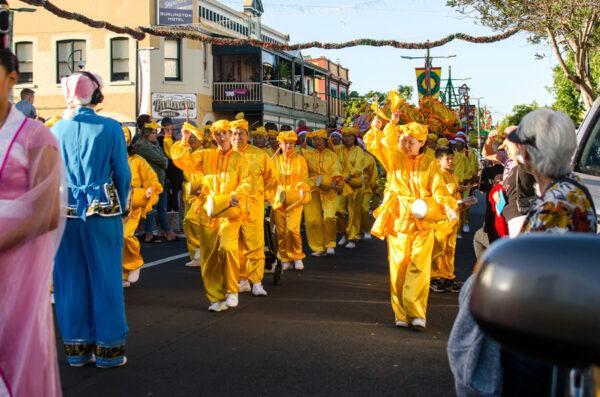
(540, 294)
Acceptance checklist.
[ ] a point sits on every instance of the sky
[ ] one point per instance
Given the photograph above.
(503, 73)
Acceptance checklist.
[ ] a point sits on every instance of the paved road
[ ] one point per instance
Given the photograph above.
(326, 330)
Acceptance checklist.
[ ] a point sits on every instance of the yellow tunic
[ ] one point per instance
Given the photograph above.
(223, 174)
(252, 233)
(319, 214)
(370, 188)
(351, 199)
(143, 177)
(291, 175)
(410, 241)
(445, 235)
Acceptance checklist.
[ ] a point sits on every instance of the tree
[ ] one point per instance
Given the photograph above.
(406, 92)
(518, 112)
(567, 25)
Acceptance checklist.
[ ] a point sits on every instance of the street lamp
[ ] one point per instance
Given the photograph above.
(80, 64)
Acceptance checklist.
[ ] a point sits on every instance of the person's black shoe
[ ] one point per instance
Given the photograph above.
(436, 285)
(453, 286)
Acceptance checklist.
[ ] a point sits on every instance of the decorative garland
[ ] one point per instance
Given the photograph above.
(185, 32)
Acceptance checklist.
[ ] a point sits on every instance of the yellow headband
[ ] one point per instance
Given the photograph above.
(349, 131)
(287, 136)
(220, 125)
(416, 130)
(239, 123)
(260, 131)
(51, 121)
(127, 133)
(196, 131)
(153, 125)
(272, 133)
(318, 134)
(443, 142)
(239, 116)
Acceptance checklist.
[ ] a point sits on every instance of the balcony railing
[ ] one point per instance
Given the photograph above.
(267, 93)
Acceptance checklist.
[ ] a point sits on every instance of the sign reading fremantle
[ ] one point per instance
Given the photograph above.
(174, 105)
(175, 12)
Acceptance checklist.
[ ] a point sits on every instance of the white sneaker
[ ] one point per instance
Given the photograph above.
(401, 324)
(217, 306)
(458, 236)
(367, 236)
(318, 253)
(258, 290)
(330, 251)
(52, 298)
(351, 245)
(193, 263)
(418, 323)
(466, 229)
(298, 265)
(231, 300)
(133, 276)
(244, 286)
(113, 366)
(286, 265)
(343, 241)
(126, 284)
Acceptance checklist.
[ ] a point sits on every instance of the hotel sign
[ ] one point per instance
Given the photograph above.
(176, 106)
(175, 12)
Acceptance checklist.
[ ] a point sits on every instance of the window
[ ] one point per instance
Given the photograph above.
(119, 59)
(334, 91)
(70, 57)
(343, 93)
(590, 156)
(24, 53)
(172, 60)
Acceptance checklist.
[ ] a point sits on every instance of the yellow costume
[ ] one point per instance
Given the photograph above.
(410, 240)
(224, 175)
(369, 191)
(319, 214)
(291, 174)
(445, 235)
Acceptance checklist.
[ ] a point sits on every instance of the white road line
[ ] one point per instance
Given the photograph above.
(164, 260)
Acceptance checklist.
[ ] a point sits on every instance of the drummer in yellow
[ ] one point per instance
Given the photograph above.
(325, 177)
(291, 173)
(192, 187)
(145, 189)
(410, 236)
(350, 201)
(371, 176)
(259, 138)
(225, 182)
(252, 234)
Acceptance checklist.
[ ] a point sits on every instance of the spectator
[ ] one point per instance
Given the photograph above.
(301, 127)
(174, 176)
(25, 105)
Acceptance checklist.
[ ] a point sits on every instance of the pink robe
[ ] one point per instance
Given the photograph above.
(31, 226)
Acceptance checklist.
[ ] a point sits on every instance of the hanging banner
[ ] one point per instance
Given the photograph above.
(144, 82)
(175, 12)
(434, 81)
(176, 106)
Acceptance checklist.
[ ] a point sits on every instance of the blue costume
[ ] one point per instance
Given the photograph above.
(88, 287)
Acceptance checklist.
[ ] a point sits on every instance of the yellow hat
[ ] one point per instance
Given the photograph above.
(416, 130)
(51, 121)
(220, 125)
(239, 123)
(443, 142)
(260, 131)
(272, 133)
(191, 128)
(127, 133)
(239, 116)
(318, 134)
(432, 137)
(287, 136)
(152, 125)
(349, 130)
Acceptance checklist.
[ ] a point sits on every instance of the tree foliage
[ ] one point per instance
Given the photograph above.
(518, 112)
(569, 26)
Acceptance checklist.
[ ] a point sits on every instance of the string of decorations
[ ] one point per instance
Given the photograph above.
(190, 32)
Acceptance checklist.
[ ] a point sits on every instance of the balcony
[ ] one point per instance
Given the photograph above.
(267, 93)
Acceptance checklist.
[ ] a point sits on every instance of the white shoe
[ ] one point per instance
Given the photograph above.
(244, 286)
(52, 298)
(286, 265)
(133, 276)
(258, 290)
(458, 236)
(330, 251)
(298, 265)
(126, 284)
(367, 236)
(351, 245)
(343, 241)
(231, 300)
(401, 324)
(318, 253)
(217, 306)
(113, 366)
(193, 263)
(466, 229)
(418, 323)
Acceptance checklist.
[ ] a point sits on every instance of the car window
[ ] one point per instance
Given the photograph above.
(589, 162)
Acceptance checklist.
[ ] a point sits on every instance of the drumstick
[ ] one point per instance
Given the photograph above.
(276, 153)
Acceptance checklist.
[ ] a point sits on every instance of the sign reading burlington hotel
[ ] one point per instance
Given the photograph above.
(175, 12)
(177, 106)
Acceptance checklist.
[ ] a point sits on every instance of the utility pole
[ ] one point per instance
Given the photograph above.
(478, 120)
(448, 95)
(428, 58)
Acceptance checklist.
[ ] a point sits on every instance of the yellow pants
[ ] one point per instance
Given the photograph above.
(320, 223)
(409, 256)
(365, 218)
(289, 240)
(132, 259)
(252, 245)
(191, 229)
(219, 259)
(350, 227)
(442, 265)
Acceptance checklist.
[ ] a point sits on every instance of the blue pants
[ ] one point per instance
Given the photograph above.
(88, 290)
(161, 210)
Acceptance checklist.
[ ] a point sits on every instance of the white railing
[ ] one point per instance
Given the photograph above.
(237, 92)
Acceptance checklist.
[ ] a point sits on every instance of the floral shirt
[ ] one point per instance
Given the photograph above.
(563, 208)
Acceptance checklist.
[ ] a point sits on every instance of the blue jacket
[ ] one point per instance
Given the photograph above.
(95, 157)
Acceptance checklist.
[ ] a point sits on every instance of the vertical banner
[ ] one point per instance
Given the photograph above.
(431, 77)
(144, 82)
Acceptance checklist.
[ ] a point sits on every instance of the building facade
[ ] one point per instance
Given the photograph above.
(334, 90)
